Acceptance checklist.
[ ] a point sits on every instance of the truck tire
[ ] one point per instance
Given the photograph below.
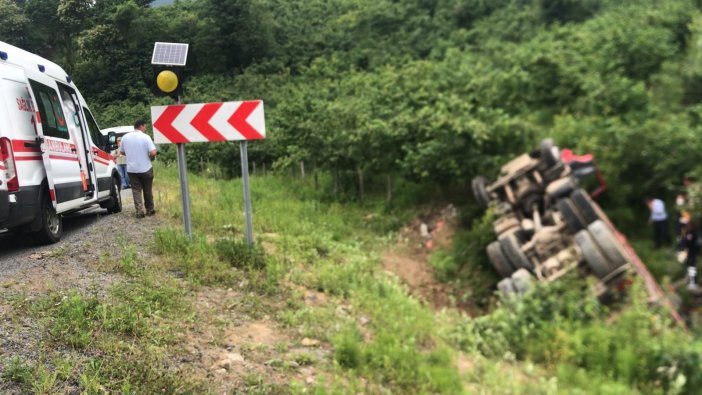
(560, 188)
(511, 248)
(549, 153)
(498, 260)
(522, 280)
(592, 254)
(609, 244)
(506, 287)
(115, 204)
(585, 205)
(51, 223)
(479, 191)
(570, 215)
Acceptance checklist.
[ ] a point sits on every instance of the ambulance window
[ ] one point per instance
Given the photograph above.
(94, 129)
(53, 121)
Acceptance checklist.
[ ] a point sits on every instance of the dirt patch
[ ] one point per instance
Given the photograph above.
(233, 350)
(409, 258)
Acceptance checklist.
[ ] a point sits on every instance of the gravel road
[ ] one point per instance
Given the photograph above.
(87, 234)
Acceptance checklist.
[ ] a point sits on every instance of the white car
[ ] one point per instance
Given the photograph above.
(118, 131)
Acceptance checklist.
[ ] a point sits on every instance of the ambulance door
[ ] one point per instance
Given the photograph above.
(101, 157)
(17, 121)
(67, 186)
(79, 132)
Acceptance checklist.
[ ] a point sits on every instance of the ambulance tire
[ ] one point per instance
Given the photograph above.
(51, 223)
(115, 203)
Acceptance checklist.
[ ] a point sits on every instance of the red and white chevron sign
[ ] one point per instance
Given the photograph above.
(190, 123)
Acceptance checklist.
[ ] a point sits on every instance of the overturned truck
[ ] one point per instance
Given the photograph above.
(546, 225)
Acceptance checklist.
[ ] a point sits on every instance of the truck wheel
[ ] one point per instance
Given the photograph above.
(549, 153)
(115, 205)
(51, 223)
(498, 260)
(510, 247)
(560, 188)
(506, 287)
(608, 242)
(522, 280)
(479, 191)
(570, 215)
(594, 258)
(585, 205)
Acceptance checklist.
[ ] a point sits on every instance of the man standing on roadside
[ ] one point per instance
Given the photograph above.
(140, 151)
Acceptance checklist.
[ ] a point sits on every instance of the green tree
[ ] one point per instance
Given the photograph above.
(13, 23)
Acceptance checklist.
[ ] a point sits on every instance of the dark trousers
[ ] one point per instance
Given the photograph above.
(660, 233)
(143, 182)
(691, 260)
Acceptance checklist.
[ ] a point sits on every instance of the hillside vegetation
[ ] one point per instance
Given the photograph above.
(433, 91)
(375, 108)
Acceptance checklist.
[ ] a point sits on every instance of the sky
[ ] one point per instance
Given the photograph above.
(157, 3)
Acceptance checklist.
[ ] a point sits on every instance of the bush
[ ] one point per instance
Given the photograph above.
(240, 255)
(563, 325)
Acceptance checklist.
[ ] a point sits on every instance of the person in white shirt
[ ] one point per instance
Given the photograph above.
(659, 219)
(140, 151)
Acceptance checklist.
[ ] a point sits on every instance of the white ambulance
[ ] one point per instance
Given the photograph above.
(53, 158)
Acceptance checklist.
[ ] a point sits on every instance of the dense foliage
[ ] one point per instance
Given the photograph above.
(426, 90)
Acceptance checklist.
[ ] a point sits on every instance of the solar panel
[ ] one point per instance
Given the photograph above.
(170, 54)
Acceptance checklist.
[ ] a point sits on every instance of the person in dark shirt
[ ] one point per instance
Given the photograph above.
(692, 248)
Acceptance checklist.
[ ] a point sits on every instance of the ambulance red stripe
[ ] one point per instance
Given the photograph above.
(25, 146)
(27, 158)
(59, 157)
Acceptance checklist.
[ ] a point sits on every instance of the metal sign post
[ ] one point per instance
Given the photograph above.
(184, 190)
(209, 122)
(247, 195)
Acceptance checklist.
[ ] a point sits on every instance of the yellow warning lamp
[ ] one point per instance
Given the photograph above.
(167, 81)
(168, 61)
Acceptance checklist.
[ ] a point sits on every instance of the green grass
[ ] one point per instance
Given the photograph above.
(379, 339)
(661, 262)
(560, 339)
(326, 247)
(118, 342)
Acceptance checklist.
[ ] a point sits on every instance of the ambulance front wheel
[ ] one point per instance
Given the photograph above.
(51, 223)
(115, 203)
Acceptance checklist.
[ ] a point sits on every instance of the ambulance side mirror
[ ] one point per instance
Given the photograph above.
(111, 144)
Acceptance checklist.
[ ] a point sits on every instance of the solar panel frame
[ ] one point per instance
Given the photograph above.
(169, 54)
